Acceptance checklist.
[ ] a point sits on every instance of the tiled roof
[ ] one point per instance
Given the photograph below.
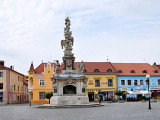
(91, 66)
(158, 66)
(40, 68)
(7, 68)
(137, 67)
(31, 68)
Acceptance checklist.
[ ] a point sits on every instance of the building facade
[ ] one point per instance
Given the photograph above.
(102, 80)
(132, 79)
(39, 82)
(11, 85)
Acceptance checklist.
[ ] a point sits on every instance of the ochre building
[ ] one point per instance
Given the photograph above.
(102, 80)
(39, 82)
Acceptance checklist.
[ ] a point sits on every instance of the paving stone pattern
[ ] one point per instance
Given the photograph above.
(110, 111)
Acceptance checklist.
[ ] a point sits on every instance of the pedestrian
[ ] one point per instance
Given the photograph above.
(100, 99)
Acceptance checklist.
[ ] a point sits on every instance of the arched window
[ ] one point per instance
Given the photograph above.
(96, 70)
(144, 71)
(109, 70)
(155, 71)
(119, 71)
(84, 70)
(132, 71)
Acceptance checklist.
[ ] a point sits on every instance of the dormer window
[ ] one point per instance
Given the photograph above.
(96, 70)
(109, 70)
(144, 71)
(155, 71)
(119, 71)
(132, 71)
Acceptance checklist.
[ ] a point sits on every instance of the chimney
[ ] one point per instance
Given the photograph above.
(1, 62)
(11, 67)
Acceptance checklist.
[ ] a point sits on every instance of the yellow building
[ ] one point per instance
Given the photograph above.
(102, 80)
(39, 82)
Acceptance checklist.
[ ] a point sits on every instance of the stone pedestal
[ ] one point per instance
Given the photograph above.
(69, 100)
(70, 90)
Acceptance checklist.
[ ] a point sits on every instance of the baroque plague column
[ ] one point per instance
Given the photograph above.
(69, 87)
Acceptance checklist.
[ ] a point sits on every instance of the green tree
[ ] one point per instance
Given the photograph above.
(119, 93)
(49, 95)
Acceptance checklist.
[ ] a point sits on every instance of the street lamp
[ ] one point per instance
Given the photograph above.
(29, 97)
(147, 81)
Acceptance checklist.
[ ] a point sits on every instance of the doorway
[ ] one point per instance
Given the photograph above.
(139, 97)
(1, 96)
(91, 96)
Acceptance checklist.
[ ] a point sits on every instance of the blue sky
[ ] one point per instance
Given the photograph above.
(125, 30)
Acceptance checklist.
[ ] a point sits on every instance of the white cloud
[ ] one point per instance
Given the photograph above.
(32, 30)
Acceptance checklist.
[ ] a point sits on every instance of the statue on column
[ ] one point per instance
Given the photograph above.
(68, 42)
(57, 69)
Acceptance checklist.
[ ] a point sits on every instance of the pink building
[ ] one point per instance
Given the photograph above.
(13, 88)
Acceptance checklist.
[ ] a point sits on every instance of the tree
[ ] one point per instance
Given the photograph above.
(49, 95)
(119, 93)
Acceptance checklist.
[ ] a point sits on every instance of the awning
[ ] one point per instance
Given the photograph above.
(138, 92)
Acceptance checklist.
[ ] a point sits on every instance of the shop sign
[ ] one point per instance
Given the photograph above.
(138, 87)
(155, 88)
(104, 83)
(124, 89)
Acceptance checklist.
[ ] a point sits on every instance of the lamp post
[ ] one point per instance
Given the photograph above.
(29, 97)
(147, 81)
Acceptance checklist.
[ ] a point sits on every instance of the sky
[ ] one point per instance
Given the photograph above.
(127, 31)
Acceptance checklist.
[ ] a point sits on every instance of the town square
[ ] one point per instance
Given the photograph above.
(110, 111)
(62, 63)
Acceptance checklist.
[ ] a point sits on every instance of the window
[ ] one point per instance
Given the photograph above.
(55, 90)
(119, 71)
(96, 70)
(129, 82)
(83, 90)
(1, 74)
(141, 82)
(21, 88)
(109, 70)
(97, 83)
(158, 81)
(18, 88)
(48, 71)
(132, 71)
(135, 82)
(42, 95)
(131, 89)
(110, 82)
(42, 82)
(122, 82)
(1, 85)
(32, 96)
(14, 87)
(144, 71)
(155, 71)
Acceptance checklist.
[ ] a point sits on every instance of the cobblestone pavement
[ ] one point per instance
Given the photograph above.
(110, 111)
